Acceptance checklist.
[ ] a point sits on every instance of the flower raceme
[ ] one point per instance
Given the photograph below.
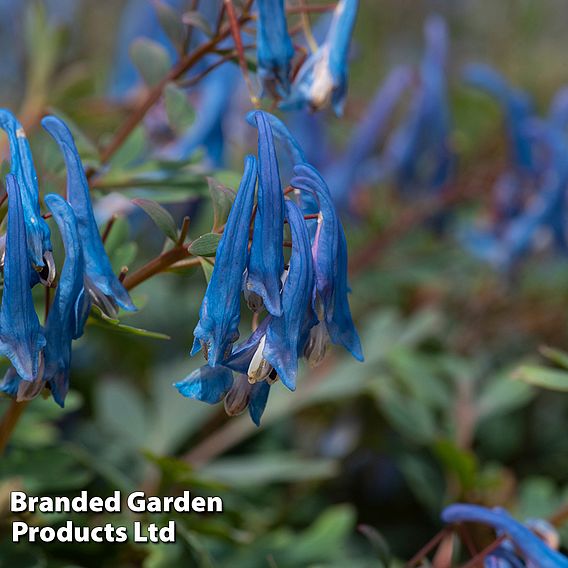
(306, 298)
(41, 355)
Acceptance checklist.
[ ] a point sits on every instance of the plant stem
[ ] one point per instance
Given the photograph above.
(155, 266)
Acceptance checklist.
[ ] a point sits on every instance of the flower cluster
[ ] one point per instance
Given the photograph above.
(41, 355)
(529, 197)
(305, 297)
(533, 545)
(415, 153)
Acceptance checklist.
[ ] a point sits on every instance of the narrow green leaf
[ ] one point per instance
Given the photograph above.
(222, 198)
(205, 245)
(98, 318)
(164, 221)
(151, 60)
(178, 108)
(557, 356)
(551, 379)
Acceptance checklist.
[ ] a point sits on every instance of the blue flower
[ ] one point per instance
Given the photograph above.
(212, 385)
(266, 262)
(516, 105)
(100, 281)
(70, 306)
(219, 316)
(21, 337)
(533, 549)
(347, 171)
(22, 167)
(330, 259)
(274, 47)
(284, 345)
(419, 150)
(207, 130)
(322, 79)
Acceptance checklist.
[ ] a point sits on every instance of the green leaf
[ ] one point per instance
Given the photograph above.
(151, 60)
(205, 245)
(327, 534)
(132, 149)
(98, 318)
(460, 462)
(551, 379)
(502, 395)
(178, 108)
(222, 198)
(171, 23)
(207, 267)
(162, 218)
(276, 467)
(379, 544)
(196, 20)
(558, 357)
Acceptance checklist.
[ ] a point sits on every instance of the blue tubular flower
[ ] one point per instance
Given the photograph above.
(322, 79)
(21, 337)
(66, 317)
(517, 107)
(273, 46)
(281, 132)
(558, 113)
(101, 282)
(266, 262)
(207, 384)
(533, 549)
(22, 167)
(207, 130)
(419, 151)
(219, 316)
(283, 345)
(330, 259)
(345, 173)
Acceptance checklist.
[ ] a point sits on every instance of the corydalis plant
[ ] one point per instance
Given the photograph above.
(306, 299)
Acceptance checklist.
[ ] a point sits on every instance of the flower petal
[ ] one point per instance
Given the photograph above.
(284, 333)
(207, 384)
(219, 316)
(266, 262)
(22, 167)
(21, 337)
(98, 267)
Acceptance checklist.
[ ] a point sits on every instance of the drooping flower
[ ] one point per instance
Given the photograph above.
(21, 336)
(100, 281)
(347, 171)
(284, 345)
(22, 167)
(517, 107)
(330, 259)
(219, 316)
(526, 544)
(419, 151)
(274, 47)
(70, 307)
(322, 79)
(266, 263)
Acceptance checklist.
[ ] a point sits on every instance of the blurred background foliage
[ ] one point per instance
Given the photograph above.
(434, 415)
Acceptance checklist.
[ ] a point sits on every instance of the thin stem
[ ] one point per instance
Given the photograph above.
(155, 266)
(108, 228)
(477, 560)
(311, 9)
(427, 548)
(307, 27)
(236, 33)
